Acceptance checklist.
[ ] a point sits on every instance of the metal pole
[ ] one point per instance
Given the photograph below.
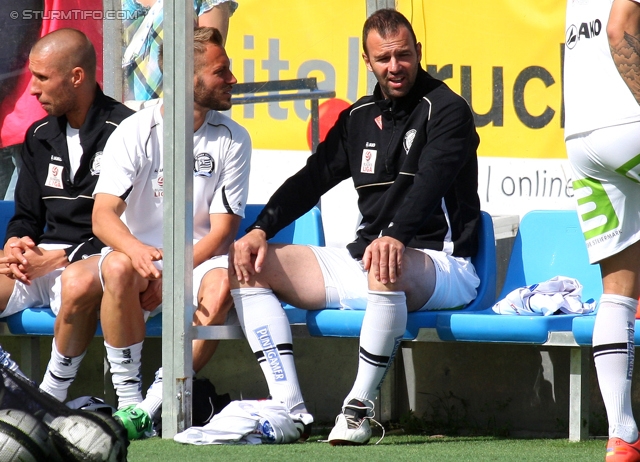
(112, 75)
(178, 218)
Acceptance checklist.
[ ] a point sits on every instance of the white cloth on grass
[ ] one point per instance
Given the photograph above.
(557, 295)
(248, 422)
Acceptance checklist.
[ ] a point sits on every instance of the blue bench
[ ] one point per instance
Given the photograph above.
(33, 323)
(39, 321)
(548, 244)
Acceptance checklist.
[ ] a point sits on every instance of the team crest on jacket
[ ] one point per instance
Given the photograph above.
(96, 160)
(203, 165)
(408, 140)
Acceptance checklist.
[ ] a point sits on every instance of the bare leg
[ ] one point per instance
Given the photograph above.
(121, 315)
(214, 303)
(75, 325)
(77, 320)
(123, 325)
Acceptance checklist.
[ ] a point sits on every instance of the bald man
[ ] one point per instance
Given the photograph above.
(50, 253)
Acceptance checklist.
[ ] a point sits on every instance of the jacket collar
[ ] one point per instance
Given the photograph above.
(51, 127)
(401, 106)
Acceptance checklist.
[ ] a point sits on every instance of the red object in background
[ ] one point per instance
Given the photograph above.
(20, 109)
(328, 114)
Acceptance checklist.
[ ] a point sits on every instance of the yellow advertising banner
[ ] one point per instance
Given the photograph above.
(503, 56)
(277, 40)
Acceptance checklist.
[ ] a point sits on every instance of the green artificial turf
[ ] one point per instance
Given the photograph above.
(396, 448)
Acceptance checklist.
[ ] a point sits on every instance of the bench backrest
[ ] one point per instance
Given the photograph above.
(7, 209)
(306, 230)
(550, 243)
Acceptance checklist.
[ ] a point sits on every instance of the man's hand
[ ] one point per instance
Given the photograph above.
(152, 296)
(40, 262)
(247, 255)
(142, 257)
(13, 257)
(24, 261)
(383, 258)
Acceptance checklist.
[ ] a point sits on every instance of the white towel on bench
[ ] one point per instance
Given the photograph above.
(557, 295)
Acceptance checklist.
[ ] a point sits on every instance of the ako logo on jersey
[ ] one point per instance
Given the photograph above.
(586, 30)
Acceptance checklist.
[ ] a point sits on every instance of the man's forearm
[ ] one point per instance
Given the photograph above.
(623, 31)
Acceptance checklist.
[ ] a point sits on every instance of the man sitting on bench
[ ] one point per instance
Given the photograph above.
(47, 258)
(411, 152)
(128, 216)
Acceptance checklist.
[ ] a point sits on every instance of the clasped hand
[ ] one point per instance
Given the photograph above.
(25, 261)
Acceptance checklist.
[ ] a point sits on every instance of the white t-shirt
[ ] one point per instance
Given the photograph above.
(595, 95)
(75, 150)
(132, 168)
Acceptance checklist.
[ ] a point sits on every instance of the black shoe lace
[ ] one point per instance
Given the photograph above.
(356, 412)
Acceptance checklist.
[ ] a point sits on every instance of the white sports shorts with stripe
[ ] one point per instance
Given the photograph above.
(606, 185)
(346, 285)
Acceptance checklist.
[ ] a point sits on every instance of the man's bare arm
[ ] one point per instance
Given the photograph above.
(623, 31)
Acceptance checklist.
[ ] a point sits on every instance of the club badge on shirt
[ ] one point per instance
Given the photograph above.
(54, 177)
(203, 165)
(96, 160)
(408, 140)
(368, 161)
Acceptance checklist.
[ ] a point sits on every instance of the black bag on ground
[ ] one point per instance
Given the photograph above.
(39, 427)
(206, 402)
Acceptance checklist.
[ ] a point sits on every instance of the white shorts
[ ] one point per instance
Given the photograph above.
(346, 282)
(221, 261)
(606, 166)
(43, 291)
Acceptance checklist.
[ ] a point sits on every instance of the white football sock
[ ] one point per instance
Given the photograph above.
(383, 326)
(152, 403)
(125, 373)
(266, 327)
(60, 373)
(613, 353)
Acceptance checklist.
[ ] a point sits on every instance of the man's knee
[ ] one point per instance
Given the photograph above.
(80, 283)
(375, 285)
(117, 269)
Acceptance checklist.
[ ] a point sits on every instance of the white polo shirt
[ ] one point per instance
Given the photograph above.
(132, 168)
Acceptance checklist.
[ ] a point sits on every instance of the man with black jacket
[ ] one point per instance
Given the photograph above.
(50, 253)
(410, 149)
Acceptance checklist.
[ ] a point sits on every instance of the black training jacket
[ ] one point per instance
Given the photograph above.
(49, 207)
(414, 165)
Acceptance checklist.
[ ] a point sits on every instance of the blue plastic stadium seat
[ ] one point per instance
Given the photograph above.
(7, 209)
(347, 323)
(548, 244)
